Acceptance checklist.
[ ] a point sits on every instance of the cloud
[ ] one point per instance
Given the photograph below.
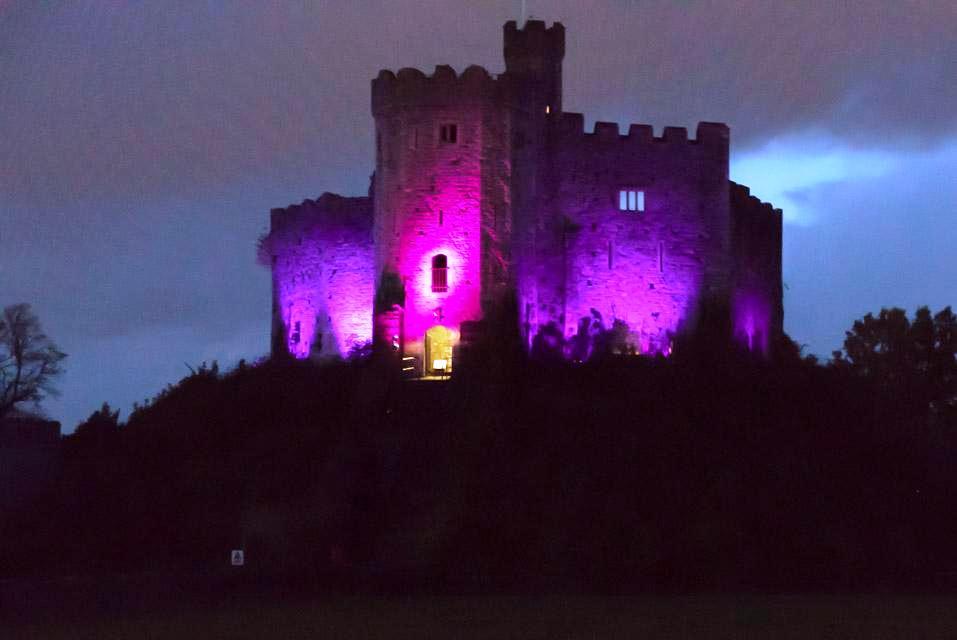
(786, 171)
(878, 240)
(144, 100)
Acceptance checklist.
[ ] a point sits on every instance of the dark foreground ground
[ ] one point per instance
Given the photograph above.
(241, 614)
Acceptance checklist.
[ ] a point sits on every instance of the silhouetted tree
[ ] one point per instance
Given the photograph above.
(916, 358)
(102, 423)
(29, 360)
(389, 292)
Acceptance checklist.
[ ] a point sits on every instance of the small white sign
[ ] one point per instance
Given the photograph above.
(237, 557)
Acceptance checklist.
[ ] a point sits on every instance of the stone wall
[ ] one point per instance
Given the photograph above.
(757, 302)
(321, 255)
(648, 268)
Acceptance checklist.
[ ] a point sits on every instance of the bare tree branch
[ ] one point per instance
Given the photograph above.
(29, 360)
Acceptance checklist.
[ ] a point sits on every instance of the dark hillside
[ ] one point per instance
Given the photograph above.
(631, 473)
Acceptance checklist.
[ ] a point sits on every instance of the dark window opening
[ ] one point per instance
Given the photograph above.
(295, 334)
(449, 133)
(440, 270)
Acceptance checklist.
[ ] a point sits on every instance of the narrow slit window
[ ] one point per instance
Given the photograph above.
(611, 255)
(661, 257)
(449, 133)
(440, 273)
(631, 200)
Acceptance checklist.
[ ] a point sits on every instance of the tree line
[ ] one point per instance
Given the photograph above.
(708, 469)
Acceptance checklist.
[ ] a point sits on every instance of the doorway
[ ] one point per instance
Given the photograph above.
(438, 351)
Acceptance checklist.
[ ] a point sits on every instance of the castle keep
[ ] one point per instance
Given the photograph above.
(486, 191)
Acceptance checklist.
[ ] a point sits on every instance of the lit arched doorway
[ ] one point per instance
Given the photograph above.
(438, 351)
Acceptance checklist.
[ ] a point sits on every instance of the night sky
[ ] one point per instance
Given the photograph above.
(143, 144)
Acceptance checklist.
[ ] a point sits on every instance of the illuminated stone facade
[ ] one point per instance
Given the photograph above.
(484, 187)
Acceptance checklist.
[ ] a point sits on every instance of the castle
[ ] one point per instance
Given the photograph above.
(487, 195)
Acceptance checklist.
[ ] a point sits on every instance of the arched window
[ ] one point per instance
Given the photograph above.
(440, 270)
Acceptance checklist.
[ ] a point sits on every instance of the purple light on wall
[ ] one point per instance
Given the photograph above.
(299, 318)
(323, 278)
(624, 272)
(752, 321)
(346, 309)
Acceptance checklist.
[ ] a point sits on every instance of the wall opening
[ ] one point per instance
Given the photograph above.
(631, 200)
(438, 351)
(449, 133)
(440, 273)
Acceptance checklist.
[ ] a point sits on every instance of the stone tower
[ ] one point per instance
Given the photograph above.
(441, 189)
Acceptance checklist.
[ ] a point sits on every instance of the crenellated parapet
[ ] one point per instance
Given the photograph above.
(571, 131)
(752, 206)
(411, 88)
(525, 48)
(756, 233)
(330, 212)
(329, 206)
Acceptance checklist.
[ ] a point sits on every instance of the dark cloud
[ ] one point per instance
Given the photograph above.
(154, 98)
(142, 144)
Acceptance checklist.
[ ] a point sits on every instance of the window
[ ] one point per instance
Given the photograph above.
(295, 333)
(548, 109)
(631, 200)
(449, 133)
(440, 270)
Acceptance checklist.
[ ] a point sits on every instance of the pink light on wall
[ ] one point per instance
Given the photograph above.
(426, 307)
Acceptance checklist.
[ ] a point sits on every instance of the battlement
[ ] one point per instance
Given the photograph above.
(526, 47)
(330, 211)
(571, 128)
(412, 88)
(329, 206)
(747, 204)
